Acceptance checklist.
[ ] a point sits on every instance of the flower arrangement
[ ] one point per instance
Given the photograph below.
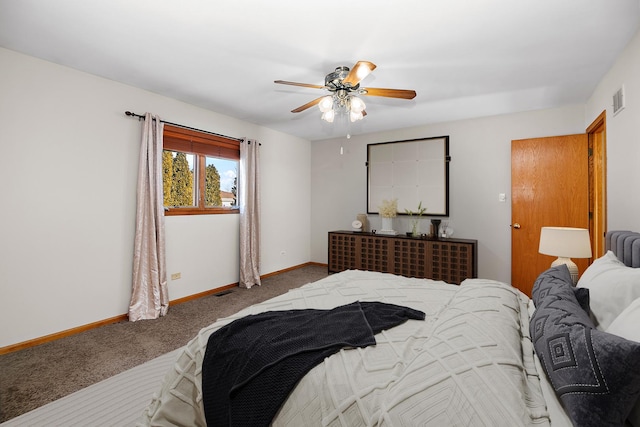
(389, 208)
(419, 212)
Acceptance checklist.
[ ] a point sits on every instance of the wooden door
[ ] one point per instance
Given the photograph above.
(549, 187)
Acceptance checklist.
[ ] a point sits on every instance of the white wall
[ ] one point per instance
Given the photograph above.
(68, 167)
(623, 137)
(480, 169)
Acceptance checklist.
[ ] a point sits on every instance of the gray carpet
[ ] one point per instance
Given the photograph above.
(35, 376)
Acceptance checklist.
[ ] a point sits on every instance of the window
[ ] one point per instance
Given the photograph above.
(200, 172)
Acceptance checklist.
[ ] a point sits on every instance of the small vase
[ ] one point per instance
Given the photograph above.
(435, 226)
(364, 220)
(415, 228)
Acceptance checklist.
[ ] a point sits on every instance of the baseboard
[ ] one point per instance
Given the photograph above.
(295, 267)
(52, 337)
(56, 336)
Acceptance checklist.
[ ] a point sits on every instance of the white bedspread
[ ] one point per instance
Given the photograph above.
(470, 363)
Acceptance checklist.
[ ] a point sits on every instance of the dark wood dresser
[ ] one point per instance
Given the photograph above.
(451, 260)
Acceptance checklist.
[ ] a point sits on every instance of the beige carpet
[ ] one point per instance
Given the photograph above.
(117, 401)
(36, 376)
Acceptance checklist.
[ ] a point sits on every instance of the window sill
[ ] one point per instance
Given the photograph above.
(196, 211)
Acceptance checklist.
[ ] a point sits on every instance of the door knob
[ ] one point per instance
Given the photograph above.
(516, 226)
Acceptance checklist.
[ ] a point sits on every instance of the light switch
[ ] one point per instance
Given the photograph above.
(502, 197)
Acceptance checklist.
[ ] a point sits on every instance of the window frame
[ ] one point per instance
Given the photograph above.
(201, 145)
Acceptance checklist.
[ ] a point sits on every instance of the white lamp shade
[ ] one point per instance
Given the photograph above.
(565, 242)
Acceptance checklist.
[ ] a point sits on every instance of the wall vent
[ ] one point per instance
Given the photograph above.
(618, 101)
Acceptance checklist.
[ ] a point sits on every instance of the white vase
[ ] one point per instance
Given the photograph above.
(387, 225)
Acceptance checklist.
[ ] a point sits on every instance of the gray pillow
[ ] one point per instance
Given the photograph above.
(595, 375)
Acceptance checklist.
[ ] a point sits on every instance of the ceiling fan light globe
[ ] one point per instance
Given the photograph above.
(328, 116)
(357, 105)
(326, 104)
(354, 117)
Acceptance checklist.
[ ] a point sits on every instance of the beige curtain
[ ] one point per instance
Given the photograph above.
(150, 294)
(249, 214)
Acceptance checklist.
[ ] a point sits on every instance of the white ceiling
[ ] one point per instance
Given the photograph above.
(464, 58)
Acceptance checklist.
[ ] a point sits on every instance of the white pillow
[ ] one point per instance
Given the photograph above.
(626, 325)
(612, 287)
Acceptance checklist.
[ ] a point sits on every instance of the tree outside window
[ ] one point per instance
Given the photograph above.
(199, 172)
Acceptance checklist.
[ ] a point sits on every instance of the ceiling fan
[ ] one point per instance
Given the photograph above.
(344, 84)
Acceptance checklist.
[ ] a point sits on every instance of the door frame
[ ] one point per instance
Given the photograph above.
(597, 134)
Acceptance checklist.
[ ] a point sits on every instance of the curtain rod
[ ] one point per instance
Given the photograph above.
(139, 116)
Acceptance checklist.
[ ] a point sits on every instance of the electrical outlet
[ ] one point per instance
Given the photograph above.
(176, 276)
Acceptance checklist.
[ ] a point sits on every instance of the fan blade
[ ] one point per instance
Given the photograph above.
(359, 71)
(284, 82)
(307, 105)
(389, 93)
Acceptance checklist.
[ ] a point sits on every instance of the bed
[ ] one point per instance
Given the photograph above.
(483, 354)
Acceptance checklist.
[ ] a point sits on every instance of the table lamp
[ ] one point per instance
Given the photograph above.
(565, 243)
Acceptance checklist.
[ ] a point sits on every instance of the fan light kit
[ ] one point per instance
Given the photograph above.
(345, 86)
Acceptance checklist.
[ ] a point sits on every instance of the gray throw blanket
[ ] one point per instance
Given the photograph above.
(251, 365)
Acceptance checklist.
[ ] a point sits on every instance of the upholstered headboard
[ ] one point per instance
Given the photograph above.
(626, 246)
